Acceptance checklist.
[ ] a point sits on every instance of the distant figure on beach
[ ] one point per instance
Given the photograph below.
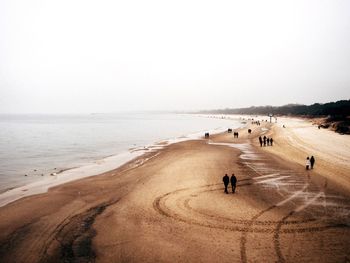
(271, 141)
(226, 181)
(249, 131)
(312, 162)
(308, 163)
(261, 141)
(206, 135)
(235, 135)
(233, 180)
(264, 140)
(268, 141)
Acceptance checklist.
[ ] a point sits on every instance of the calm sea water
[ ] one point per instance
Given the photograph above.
(38, 145)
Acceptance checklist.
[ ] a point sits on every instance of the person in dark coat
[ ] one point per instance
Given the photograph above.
(233, 183)
(312, 162)
(264, 140)
(268, 141)
(261, 141)
(226, 181)
(271, 141)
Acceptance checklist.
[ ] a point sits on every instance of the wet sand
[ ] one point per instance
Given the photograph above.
(172, 208)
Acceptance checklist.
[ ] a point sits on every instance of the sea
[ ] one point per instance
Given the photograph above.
(33, 147)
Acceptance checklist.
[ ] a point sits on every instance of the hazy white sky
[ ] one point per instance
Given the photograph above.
(104, 56)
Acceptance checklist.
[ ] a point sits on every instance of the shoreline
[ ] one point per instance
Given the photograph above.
(105, 165)
(39, 146)
(172, 203)
(114, 162)
(96, 168)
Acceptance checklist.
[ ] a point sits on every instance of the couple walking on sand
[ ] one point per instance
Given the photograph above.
(226, 181)
(310, 162)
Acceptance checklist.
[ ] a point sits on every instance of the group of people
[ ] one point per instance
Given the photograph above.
(226, 179)
(310, 162)
(265, 141)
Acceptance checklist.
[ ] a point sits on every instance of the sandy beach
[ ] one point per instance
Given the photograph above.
(169, 205)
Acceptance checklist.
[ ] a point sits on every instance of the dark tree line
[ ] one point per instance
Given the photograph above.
(339, 109)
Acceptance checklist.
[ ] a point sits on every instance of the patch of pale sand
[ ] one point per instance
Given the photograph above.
(300, 139)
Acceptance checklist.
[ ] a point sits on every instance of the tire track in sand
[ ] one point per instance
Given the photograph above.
(236, 225)
(276, 179)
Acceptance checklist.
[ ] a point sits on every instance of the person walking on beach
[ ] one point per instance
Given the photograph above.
(312, 162)
(261, 141)
(264, 140)
(233, 180)
(271, 141)
(308, 163)
(226, 181)
(268, 141)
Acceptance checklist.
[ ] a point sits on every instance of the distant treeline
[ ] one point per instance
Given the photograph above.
(336, 109)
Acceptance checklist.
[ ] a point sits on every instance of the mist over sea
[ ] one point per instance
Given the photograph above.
(40, 145)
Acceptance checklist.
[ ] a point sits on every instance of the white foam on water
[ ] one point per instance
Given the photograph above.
(42, 186)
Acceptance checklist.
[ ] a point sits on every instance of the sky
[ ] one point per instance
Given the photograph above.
(81, 56)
